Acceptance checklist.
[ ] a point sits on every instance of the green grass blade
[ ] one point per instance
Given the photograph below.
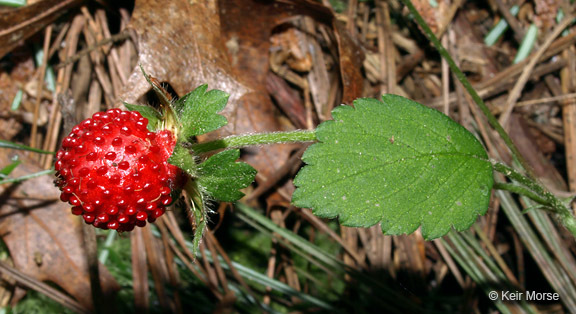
(27, 177)
(17, 100)
(527, 43)
(13, 3)
(306, 246)
(537, 250)
(6, 171)
(500, 28)
(12, 145)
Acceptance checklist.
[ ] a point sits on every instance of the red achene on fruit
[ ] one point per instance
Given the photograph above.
(115, 172)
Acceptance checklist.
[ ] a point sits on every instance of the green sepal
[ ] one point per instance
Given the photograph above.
(154, 117)
(184, 159)
(199, 212)
(200, 218)
(158, 90)
(198, 111)
(221, 177)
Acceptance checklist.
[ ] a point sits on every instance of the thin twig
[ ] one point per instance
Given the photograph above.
(114, 38)
(91, 247)
(517, 90)
(41, 73)
(34, 284)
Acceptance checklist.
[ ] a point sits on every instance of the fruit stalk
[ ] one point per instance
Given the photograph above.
(239, 141)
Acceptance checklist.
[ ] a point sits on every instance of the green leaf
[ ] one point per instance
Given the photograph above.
(6, 171)
(154, 117)
(220, 176)
(397, 163)
(198, 111)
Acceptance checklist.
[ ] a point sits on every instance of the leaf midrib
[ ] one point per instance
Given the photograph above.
(382, 165)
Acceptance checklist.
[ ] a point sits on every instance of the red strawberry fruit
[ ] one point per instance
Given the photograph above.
(115, 172)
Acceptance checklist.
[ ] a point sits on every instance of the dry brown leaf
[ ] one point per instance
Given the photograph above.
(179, 43)
(546, 12)
(21, 72)
(19, 24)
(185, 45)
(247, 27)
(45, 240)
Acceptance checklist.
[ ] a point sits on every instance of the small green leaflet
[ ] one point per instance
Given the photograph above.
(198, 111)
(397, 163)
(220, 176)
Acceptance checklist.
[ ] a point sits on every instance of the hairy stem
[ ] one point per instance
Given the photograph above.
(569, 222)
(518, 189)
(537, 193)
(237, 141)
(511, 173)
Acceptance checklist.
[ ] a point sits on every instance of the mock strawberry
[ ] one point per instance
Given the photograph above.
(115, 172)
